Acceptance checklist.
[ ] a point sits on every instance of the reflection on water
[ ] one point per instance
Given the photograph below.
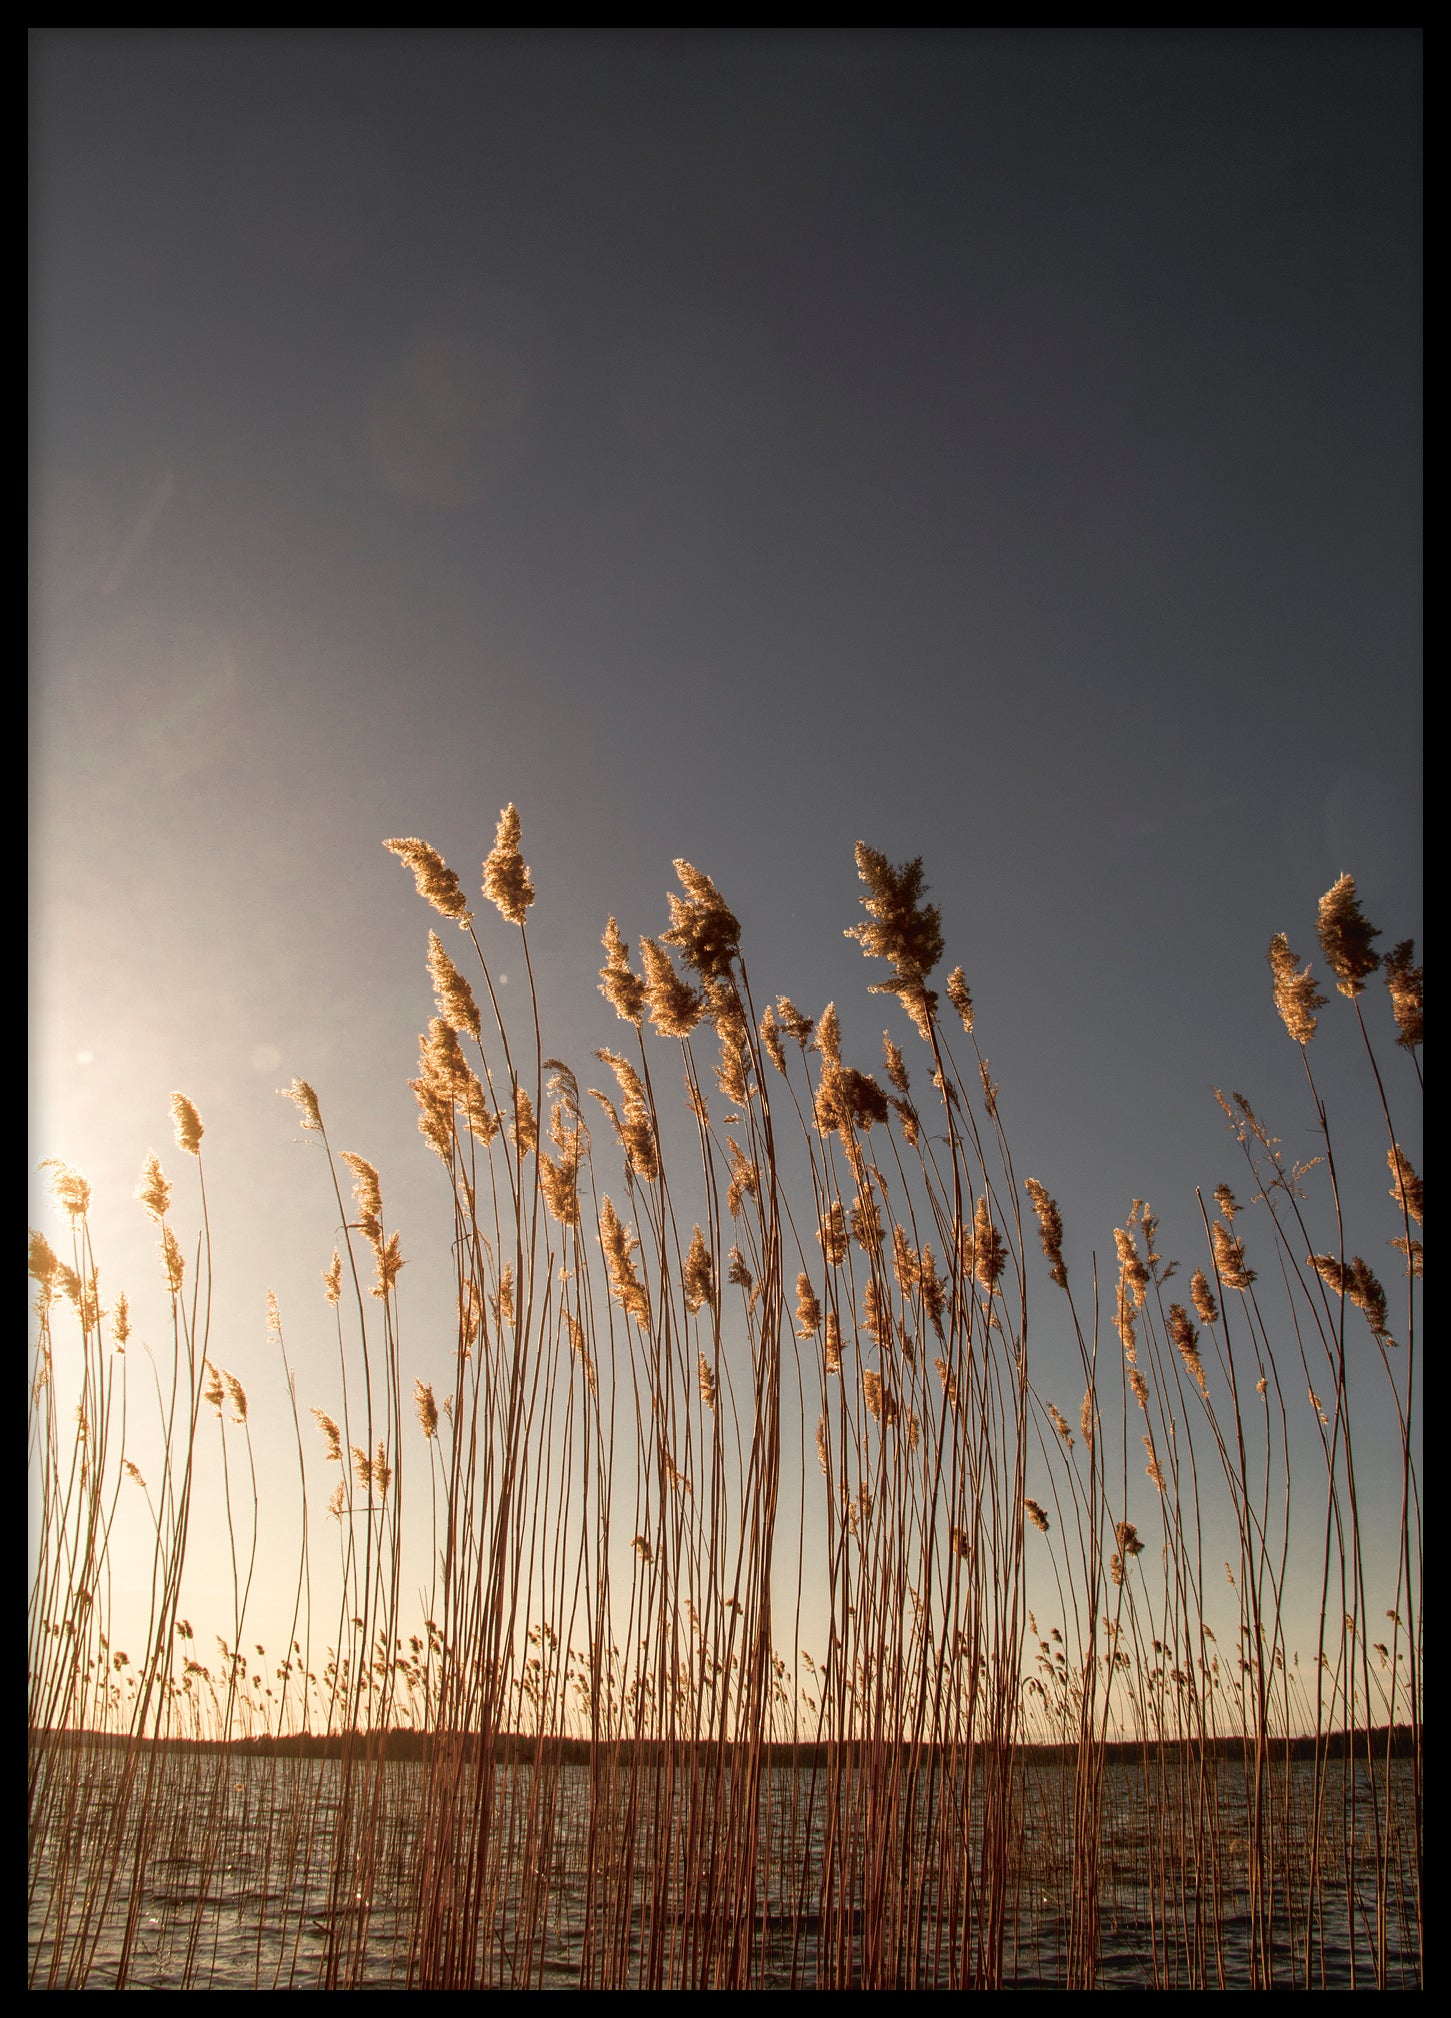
(295, 1873)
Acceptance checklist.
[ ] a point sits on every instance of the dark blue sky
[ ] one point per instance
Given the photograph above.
(1000, 447)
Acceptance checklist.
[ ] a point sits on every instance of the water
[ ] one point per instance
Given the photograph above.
(292, 1873)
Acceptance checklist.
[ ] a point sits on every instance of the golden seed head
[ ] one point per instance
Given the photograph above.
(426, 1408)
(828, 1035)
(388, 1261)
(879, 1397)
(1229, 1258)
(213, 1393)
(368, 1195)
(793, 1022)
(334, 1436)
(238, 1394)
(989, 1089)
(43, 1264)
(745, 1179)
(525, 1131)
(771, 1039)
(455, 998)
(332, 1278)
(153, 1191)
(675, 1007)
(305, 1100)
(896, 1065)
(619, 1244)
(621, 987)
(808, 1310)
(1411, 1249)
(1296, 996)
(68, 1188)
(698, 1276)
(172, 1260)
(187, 1125)
(636, 1129)
(702, 925)
(506, 880)
(1036, 1515)
(901, 928)
(705, 1380)
(905, 1263)
(831, 1342)
(876, 1315)
(832, 1233)
(933, 1289)
(1345, 936)
(1050, 1229)
(1203, 1297)
(434, 879)
(958, 996)
(1407, 989)
(989, 1254)
(1406, 1187)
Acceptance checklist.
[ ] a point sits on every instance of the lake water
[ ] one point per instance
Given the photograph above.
(261, 1873)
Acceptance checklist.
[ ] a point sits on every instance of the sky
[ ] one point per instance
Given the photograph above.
(1000, 447)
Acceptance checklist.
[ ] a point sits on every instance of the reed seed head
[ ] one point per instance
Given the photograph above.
(1229, 1257)
(1406, 1187)
(702, 925)
(1345, 936)
(1407, 989)
(1296, 996)
(675, 1007)
(69, 1189)
(698, 1276)
(452, 993)
(1186, 1340)
(621, 987)
(173, 1261)
(831, 1342)
(187, 1125)
(618, 1245)
(434, 879)
(153, 1191)
(368, 1196)
(1050, 1229)
(900, 927)
(989, 1254)
(506, 880)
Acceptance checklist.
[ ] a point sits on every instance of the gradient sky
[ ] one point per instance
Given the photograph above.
(999, 447)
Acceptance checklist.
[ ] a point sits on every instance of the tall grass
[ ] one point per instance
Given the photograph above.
(742, 1342)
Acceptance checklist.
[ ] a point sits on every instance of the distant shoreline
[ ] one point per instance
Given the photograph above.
(514, 1747)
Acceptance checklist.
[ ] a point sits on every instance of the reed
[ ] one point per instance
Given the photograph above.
(729, 1362)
